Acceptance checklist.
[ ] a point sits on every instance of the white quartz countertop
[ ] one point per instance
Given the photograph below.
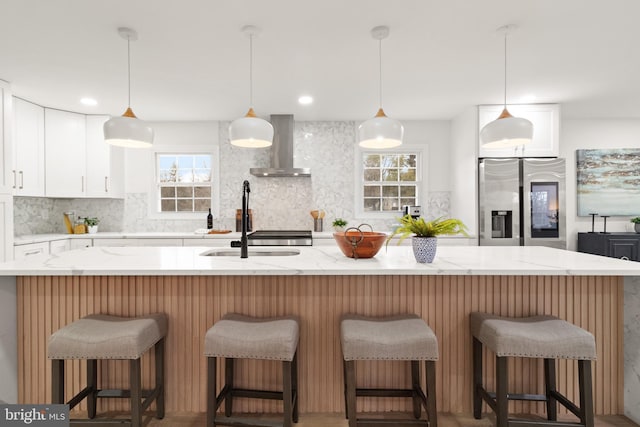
(320, 260)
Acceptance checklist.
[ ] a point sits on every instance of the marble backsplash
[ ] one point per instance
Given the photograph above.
(277, 203)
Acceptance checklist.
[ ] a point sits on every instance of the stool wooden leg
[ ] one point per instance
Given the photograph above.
(294, 386)
(344, 383)
(586, 392)
(350, 368)
(286, 393)
(477, 378)
(211, 391)
(159, 354)
(415, 386)
(550, 387)
(430, 373)
(136, 392)
(57, 381)
(502, 402)
(92, 383)
(228, 380)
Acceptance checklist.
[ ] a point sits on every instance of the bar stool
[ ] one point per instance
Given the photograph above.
(542, 337)
(100, 337)
(242, 337)
(405, 337)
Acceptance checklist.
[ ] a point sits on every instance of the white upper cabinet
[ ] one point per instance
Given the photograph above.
(28, 148)
(65, 149)
(6, 158)
(546, 130)
(6, 174)
(105, 163)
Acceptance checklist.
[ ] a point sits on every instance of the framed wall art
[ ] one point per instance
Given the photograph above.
(608, 181)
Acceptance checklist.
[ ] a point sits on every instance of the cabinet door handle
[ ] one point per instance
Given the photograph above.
(106, 184)
(21, 180)
(82, 185)
(34, 252)
(14, 178)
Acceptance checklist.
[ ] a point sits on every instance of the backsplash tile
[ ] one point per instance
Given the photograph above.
(278, 203)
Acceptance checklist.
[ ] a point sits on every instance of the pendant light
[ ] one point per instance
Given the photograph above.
(251, 131)
(127, 130)
(380, 131)
(506, 130)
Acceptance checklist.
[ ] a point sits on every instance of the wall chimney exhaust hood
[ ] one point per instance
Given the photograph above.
(281, 151)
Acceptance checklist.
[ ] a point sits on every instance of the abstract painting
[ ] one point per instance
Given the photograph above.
(609, 182)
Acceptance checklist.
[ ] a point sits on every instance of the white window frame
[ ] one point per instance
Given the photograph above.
(153, 192)
(421, 179)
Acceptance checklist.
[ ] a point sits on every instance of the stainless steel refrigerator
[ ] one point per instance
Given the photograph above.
(522, 202)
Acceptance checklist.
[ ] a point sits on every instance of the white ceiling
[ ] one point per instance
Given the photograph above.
(442, 56)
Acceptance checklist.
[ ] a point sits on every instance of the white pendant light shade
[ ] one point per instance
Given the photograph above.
(128, 131)
(506, 131)
(380, 132)
(251, 131)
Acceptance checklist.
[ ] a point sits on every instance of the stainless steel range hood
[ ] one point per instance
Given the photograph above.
(281, 151)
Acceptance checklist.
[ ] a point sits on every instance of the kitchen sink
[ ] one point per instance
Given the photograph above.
(252, 252)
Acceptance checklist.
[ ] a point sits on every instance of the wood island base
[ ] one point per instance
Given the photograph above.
(194, 303)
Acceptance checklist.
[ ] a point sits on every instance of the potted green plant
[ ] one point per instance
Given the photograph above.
(92, 225)
(339, 224)
(425, 233)
(636, 223)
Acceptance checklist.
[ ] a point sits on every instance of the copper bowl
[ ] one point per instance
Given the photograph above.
(359, 244)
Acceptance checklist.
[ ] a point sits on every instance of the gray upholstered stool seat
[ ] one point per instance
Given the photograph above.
(390, 338)
(242, 337)
(403, 337)
(98, 337)
(543, 337)
(537, 336)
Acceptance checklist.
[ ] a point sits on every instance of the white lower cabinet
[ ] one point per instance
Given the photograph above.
(6, 228)
(213, 243)
(137, 242)
(24, 251)
(57, 246)
(80, 243)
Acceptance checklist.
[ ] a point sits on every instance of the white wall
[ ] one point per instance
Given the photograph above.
(583, 134)
(464, 169)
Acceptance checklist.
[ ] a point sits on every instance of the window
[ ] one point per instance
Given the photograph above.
(184, 182)
(389, 181)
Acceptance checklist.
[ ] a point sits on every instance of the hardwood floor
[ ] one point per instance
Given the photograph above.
(338, 420)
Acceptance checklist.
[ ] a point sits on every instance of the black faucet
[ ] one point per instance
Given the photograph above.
(244, 247)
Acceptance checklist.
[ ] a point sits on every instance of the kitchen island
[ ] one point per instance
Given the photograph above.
(43, 293)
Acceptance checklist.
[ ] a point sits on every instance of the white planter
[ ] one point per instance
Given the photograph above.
(92, 229)
(636, 227)
(424, 248)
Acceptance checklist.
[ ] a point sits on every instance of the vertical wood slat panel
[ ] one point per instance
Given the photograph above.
(195, 303)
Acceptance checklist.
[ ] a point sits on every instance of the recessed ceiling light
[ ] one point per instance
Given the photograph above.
(305, 100)
(90, 102)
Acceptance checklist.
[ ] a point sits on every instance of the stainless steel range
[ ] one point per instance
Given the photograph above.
(280, 238)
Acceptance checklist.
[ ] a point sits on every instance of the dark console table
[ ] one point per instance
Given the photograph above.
(615, 245)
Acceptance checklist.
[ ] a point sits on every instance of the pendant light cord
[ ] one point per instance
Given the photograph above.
(505, 69)
(129, 70)
(380, 70)
(251, 70)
